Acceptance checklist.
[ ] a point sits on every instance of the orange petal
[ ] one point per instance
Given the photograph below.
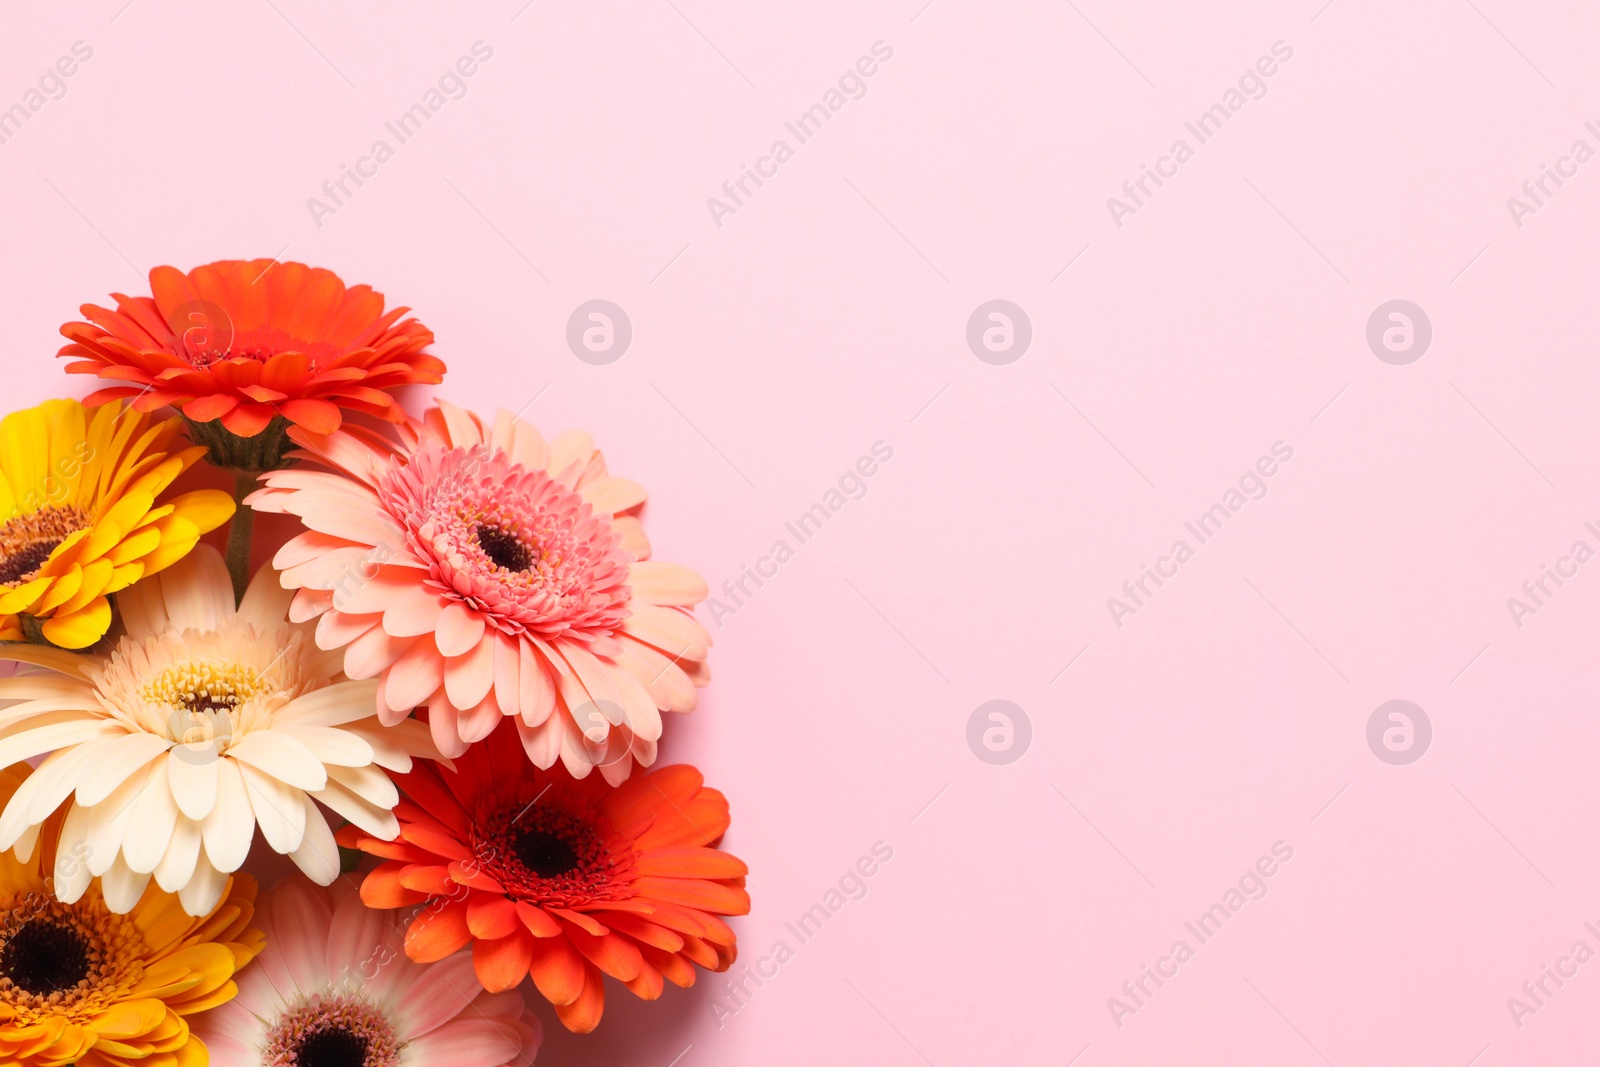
(583, 1014)
(382, 889)
(492, 918)
(503, 963)
(557, 969)
(438, 932)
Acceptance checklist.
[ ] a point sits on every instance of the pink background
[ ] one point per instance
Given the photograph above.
(829, 313)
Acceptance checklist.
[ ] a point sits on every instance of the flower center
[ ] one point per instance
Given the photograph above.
(549, 850)
(332, 1048)
(516, 544)
(545, 854)
(45, 957)
(504, 549)
(202, 690)
(65, 960)
(26, 541)
(332, 1030)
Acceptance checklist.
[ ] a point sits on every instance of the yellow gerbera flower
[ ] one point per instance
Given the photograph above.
(79, 984)
(81, 514)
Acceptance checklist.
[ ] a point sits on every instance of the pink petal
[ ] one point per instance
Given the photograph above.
(413, 611)
(468, 678)
(375, 652)
(458, 630)
(414, 678)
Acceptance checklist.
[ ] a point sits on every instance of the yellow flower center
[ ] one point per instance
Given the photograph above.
(204, 698)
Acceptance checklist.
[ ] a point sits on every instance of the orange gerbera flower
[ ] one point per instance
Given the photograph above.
(247, 342)
(559, 878)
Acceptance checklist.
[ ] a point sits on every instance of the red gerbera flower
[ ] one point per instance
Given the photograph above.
(247, 342)
(559, 878)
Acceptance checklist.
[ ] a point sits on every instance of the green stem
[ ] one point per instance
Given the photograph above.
(243, 525)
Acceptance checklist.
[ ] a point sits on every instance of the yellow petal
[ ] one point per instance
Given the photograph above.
(63, 590)
(82, 628)
(22, 457)
(124, 576)
(130, 1018)
(134, 545)
(128, 509)
(206, 508)
(23, 597)
(96, 576)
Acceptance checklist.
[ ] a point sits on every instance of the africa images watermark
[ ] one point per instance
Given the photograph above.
(852, 85)
(851, 486)
(850, 887)
(1537, 592)
(1252, 486)
(1536, 992)
(452, 85)
(1252, 85)
(1251, 886)
(1537, 192)
(51, 85)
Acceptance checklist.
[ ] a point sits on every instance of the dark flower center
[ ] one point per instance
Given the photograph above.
(504, 549)
(25, 560)
(45, 957)
(201, 703)
(545, 854)
(27, 540)
(332, 1048)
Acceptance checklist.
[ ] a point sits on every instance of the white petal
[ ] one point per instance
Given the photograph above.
(332, 705)
(197, 590)
(368, 783)
(203, 891)
(122, 887)
(231, 826)
(275, 753)
(266, 601)
(108, 822)
(379, 822)
(318, 854)
(278, 809)
(155, 815)
(332, 747)
(114, 763)
(71, 874)
(177, 866)
(28, 743)
(192, 772)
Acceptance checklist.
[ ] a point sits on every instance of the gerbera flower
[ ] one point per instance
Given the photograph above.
(200, 724)
(80, 983)
(245, 342)
(83, 514)
(560, 878)
(334, 989)
(484, 573)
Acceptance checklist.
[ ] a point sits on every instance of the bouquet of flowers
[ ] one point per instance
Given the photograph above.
(441, 700)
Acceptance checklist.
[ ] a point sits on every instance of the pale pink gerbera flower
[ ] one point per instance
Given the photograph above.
(203, 722)
(333, 988)
(485, 573)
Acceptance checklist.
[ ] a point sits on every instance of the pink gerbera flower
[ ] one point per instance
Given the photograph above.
(484, 573)
(334, 987)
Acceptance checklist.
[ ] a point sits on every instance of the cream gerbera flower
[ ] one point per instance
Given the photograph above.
(203, 722)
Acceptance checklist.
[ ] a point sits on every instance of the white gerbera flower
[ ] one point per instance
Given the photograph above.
(203, 722)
